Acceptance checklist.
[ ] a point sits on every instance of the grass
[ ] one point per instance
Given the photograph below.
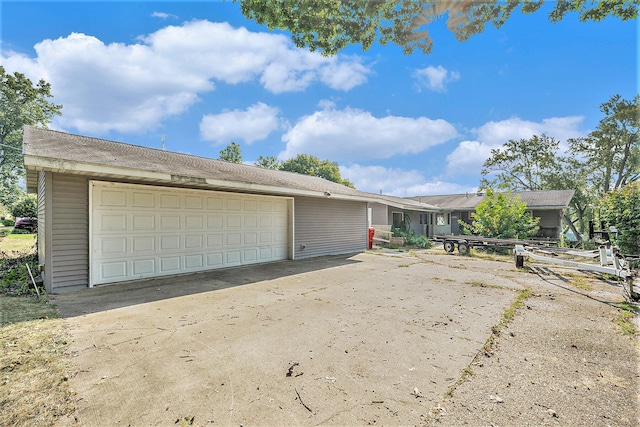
(33, 383)
(14, 244)
(33, 367)
(626, 312)
(480, 284)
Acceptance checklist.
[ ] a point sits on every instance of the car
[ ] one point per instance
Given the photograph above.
(26, 224)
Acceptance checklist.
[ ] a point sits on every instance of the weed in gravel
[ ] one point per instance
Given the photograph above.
(626, 312)
(488, 347)
(479, 284)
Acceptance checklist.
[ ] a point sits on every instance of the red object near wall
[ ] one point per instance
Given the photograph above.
(372, 231)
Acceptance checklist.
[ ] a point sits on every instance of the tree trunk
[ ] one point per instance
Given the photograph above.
(570, 224)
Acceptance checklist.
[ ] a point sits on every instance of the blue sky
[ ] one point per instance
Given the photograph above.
(201, 75)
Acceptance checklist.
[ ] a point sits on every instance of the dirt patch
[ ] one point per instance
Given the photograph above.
(392, 339)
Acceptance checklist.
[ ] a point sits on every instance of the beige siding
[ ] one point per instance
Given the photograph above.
(329, 226)
(379, 214)
(69, 231)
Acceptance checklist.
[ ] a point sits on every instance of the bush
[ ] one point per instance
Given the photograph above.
(621, 209)
(413, 239)
(8, 222)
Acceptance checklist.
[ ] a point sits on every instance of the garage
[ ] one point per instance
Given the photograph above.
(142, 231)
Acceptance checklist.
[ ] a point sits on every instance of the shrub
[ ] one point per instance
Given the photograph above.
(621, 209)
(413, 239)
(8, 222)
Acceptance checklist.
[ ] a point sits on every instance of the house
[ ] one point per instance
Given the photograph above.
(391, 211)
(548, 205)
(111, 212)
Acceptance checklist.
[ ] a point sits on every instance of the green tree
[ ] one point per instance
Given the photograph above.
(21, 103)
(503, 216)
(621, 208)
(533, 164)
(231, 153)
(268, 162)
(311, 165)
(611, 152)
(332, 25)
(26, 206)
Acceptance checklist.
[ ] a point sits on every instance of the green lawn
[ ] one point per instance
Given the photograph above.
(16, 244)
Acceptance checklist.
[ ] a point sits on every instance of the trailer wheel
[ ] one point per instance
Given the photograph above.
(463, 248)
(519, 260)
(449, 246)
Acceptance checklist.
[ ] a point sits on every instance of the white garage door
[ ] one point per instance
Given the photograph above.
(140, 231)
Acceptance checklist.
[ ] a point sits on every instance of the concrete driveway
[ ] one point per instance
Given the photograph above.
(336, 340)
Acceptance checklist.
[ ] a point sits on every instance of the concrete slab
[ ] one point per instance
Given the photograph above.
(367, 339)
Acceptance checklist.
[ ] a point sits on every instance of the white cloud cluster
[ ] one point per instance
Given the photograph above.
(398, 182)
(469, 156)
(133, 87)
(435, 78)
(253, 124)
(356, 135)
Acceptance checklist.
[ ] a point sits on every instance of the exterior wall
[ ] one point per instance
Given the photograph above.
(323, 226)
(43, 177)
(379, 214)
(68, 230)
(329, 226)
(550, 223)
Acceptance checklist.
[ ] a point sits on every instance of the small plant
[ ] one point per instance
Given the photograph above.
(8, 222)
(626, 313)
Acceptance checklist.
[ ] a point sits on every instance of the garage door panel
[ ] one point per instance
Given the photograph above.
(145, 231)
(215, 260)
(144, 266)
(114, 270)
(169, 222)
(142, 244)
(214, 240)
(170, 264)
(143, 199)
(193, 242)
(233, 258)
(195, 261)
(169, 201)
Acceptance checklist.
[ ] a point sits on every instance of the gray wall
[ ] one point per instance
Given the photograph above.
(69, 231)
(328, 226)
(324, 226)
(379, 215)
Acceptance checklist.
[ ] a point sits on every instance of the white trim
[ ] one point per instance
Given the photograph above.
(62, 166)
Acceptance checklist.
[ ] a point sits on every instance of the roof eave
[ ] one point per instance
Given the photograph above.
(36, 163)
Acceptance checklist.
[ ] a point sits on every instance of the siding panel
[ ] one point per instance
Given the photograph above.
(69, 231)
(329, 226)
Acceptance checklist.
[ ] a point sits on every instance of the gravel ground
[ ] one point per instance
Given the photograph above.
(563, 360)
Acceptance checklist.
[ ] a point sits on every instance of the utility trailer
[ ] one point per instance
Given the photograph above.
(465, 243)
(611, 261)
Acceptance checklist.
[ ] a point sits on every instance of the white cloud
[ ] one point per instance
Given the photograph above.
(253, 124)
(133, 87)
(356, 135)
(163, 15)
(435, 78)
(398, 182)
(469, 156)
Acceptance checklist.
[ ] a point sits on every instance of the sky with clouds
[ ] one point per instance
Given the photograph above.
(201, 75)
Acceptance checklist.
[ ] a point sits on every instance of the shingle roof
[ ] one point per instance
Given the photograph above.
(550, 199)
(61, 147)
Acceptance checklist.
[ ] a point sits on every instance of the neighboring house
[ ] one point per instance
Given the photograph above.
(111, 212)
(393, 211)
(547, 205)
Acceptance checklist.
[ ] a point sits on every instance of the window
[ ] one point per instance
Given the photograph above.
(439, 219)
(421, 221)
(397, 219)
